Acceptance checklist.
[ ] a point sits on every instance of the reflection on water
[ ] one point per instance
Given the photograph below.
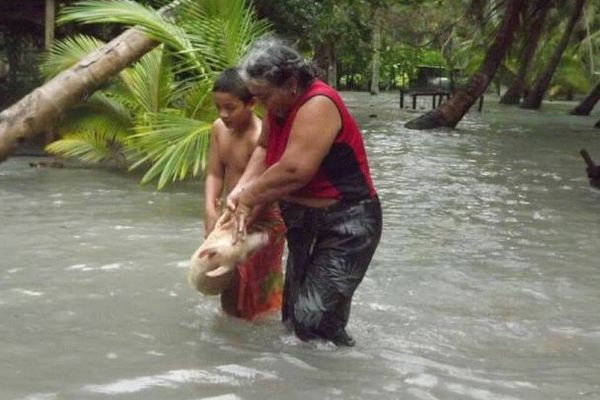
(486, 284)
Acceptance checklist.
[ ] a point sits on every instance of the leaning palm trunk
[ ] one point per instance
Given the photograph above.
(516, 89)
(587, 105)
(536, 95)
(451, 112)
(41, 108)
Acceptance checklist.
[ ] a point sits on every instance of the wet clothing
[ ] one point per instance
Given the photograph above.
(344, 173)
(256, 286)
(329, 252)
(329, 248)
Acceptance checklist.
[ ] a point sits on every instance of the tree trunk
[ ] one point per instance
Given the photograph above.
(534, 32)
(49, 17)
(451, 112)
(590, 46)
(376, 60)
(37, 111)
(536, 95)
(325, 62)
(587, 105)
(332, 69)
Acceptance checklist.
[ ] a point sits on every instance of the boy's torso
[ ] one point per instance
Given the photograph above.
(235, 149)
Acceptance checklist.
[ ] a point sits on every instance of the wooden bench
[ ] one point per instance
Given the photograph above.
(437, 97)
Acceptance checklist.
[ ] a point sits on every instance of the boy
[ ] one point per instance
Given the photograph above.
(256, 286)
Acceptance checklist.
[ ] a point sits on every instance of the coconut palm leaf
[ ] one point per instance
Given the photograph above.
(100, 113)
(95, 131)
(226, 27)
(150, 82)
(89, 147)
(198, 101)
(175, 145)
(66, 53)
(130, 13)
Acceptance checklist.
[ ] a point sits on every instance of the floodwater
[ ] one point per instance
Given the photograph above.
(486, 284)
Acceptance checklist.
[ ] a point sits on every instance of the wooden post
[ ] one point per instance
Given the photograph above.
(480, 104)
(433, 104)
(414, 96)
(401, 98)
(50, 21)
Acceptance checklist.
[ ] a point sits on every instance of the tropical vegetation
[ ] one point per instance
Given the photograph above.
(156, 114)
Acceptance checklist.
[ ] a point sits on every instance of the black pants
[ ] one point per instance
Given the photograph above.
(329, 252)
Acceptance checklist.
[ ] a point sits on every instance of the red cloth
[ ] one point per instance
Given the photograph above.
(258, 282)
(344, 172)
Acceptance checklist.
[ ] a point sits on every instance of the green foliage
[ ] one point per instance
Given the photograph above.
(157, 114)
(432, 57)
(570, 78)
(66, 53)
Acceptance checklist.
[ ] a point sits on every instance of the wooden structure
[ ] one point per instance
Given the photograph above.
(41, 13)
(432, 81)
(27, 27)
(437, 97)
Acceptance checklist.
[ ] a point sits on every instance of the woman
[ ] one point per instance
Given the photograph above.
(310, 157)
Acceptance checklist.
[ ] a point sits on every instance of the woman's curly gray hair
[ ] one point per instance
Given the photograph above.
(273, 61)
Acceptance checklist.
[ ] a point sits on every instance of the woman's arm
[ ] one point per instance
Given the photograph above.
(315, 127)
(314, 130)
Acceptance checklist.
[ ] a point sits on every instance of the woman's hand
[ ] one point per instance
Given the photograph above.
(233, 198)
(241, 220)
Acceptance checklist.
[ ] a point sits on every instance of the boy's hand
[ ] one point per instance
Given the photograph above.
(210, 219)
(209, 226)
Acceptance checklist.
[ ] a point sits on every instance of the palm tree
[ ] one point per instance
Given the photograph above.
(586, 106)
(532, 37)
(536, 95)
(452, 111)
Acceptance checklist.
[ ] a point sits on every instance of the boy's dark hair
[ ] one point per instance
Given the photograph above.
(230, 81)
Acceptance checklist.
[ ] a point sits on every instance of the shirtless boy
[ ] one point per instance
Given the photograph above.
(257, 284)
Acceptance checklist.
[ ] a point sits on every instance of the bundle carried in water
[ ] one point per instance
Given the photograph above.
(214, 262)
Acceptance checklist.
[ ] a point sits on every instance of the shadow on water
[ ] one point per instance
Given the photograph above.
(485, 285)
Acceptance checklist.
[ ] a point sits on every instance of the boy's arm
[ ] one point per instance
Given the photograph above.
(213, 185)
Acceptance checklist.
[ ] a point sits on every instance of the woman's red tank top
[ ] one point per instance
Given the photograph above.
(344, 172)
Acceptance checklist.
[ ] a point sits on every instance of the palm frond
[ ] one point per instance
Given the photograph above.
(100, 113)
(95, 131)
(67, 52)
(225, 29)
(150, 81)
(175, 145)
(198, 101)
(88, 146)
(130, 13)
